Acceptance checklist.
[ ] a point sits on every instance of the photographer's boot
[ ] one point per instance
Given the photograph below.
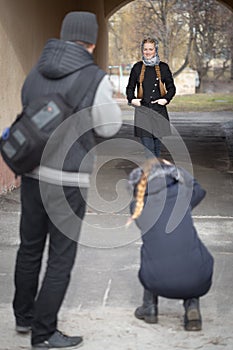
(149, 309)
(192, 316)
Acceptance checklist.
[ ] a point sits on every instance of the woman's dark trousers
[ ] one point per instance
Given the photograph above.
(152, 146)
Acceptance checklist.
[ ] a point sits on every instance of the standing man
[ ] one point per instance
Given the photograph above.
(64, 64)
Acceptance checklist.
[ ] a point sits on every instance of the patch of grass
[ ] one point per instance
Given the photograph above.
(202, 103)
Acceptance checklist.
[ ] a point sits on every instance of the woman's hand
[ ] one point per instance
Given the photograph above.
(136, 102)
(161, 101)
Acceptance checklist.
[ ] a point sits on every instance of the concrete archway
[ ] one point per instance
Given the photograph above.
(25, 25)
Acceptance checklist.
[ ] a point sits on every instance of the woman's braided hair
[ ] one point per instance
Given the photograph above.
(142, 184)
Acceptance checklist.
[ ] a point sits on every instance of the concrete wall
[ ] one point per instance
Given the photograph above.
(25, 25)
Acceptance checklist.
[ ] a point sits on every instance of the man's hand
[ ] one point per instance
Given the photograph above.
(136, 102)
(161, 101)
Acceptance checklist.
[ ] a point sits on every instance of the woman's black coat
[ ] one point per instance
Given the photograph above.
(151, 118)
(174, 261)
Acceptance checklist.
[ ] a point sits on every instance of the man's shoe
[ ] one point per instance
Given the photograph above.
(22, 329)
(149, 309)
(59, 341)
(192, 317)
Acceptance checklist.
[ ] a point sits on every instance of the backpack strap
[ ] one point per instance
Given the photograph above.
(82, 83)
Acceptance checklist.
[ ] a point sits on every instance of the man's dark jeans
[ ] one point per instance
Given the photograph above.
(33, 306)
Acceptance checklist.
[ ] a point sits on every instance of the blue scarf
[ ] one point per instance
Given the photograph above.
(152, 62)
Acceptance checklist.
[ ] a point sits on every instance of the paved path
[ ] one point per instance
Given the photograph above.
(104, 290)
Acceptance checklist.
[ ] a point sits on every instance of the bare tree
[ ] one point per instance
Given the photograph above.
(212, 36)
(164, 20)
(190, 33)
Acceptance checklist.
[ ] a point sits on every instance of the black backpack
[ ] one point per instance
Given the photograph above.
(22, 144)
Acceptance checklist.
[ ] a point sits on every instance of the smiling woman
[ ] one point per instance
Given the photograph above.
(148, 49)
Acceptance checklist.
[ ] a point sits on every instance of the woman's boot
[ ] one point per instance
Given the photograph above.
(192, 316)
(149, 309)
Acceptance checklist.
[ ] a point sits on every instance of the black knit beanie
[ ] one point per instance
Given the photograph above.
(80, 26)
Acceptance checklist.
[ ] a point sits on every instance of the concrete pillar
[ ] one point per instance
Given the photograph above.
(101, 51)
(98, 7)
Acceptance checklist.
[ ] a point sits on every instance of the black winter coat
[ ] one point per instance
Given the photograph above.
(58, 67)
(154, 118)
(174, 261)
